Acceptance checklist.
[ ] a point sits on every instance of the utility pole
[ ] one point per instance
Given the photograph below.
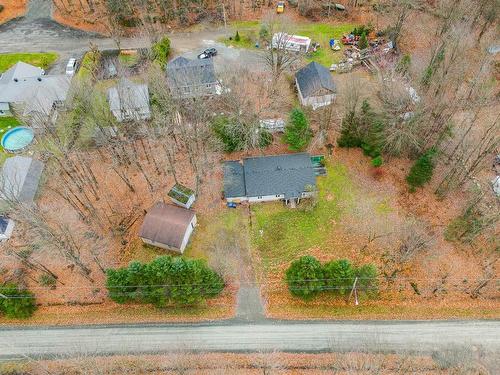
(354, 290)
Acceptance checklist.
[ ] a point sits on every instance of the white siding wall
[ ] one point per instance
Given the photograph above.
(188, 233)
(265, 198)
(237, 199)
(185, 240)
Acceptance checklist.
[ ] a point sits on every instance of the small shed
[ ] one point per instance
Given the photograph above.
(182, 196)
(168, 227)
(6, 228)
(315, 85)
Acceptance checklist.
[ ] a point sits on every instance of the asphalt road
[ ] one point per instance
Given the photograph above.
(423, 337)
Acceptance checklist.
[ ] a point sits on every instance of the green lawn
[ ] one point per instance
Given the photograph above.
(281, 233)
(318, 32)
(42, 60)
(6, 123)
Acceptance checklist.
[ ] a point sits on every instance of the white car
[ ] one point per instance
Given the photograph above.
(71, 67)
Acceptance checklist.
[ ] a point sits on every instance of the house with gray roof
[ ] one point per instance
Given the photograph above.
(288, 177)
(315, 85)
(129, 101)
(20, 178)
(192, 78)
(35, 94)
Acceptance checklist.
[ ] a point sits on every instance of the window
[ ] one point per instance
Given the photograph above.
(278, 195)
(259, 197)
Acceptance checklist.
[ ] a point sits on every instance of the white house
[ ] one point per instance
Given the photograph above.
(295, 43)
(315, 86)
(129, 101)
(269, 178)
(168, 227)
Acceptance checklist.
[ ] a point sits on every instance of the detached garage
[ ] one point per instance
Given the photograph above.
(168, 226)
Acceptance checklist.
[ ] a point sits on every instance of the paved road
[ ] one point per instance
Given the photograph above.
(238, 336)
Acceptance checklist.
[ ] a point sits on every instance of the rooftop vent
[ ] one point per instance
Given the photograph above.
(16, 80)
(39, 79)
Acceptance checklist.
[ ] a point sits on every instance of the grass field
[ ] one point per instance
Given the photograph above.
(42, 60)
(6, 123)
(318, 32)
(280, 233)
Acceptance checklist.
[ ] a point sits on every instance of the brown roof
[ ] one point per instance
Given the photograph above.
(166, 224)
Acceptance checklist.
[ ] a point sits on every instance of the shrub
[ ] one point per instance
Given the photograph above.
(377, 161)
(166, 280)
(47, 280)
(363, 42)
(21, 303)
(230, 136)
(264, 32)
(422, 169)
(367, 279)
(298, 133)
(404, 64)
(1, 8)
(304, 277)
(161, 50)
(359, 31)
(339, 276)
(237, 36)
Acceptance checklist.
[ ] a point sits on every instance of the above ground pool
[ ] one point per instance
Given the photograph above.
(17, 139)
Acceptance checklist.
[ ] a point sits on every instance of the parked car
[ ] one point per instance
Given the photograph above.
(71, 67)
(208, 53)
(280, 8)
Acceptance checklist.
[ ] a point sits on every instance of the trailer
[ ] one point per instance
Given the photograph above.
(295, 43)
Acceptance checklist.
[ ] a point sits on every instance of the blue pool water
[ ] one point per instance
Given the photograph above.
(17, 138)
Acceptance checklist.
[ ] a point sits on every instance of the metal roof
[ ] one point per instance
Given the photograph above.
(20, 178)
(289, 175)
(166, 224)
(314, 77)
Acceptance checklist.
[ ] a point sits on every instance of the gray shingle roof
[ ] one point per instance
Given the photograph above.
(234, 179)
(19, 71)
(128, 96)
(289, 175)
(182, 72)
(314, 77)
(20, 178)
(37, 93)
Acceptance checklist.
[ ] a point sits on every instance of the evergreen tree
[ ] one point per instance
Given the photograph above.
(161, 50)
(339, 276)
(304, 277)
(16, 302)
(298, 133)
(422, 169)
(163, 281)
(363, 41)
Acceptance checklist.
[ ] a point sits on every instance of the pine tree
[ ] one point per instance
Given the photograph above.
(16, 302)
(304, 277)
(363, 42)
(298, 133)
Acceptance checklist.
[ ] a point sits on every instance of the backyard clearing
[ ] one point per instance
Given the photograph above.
(319, 32)
(39, 59)
(352, 221)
